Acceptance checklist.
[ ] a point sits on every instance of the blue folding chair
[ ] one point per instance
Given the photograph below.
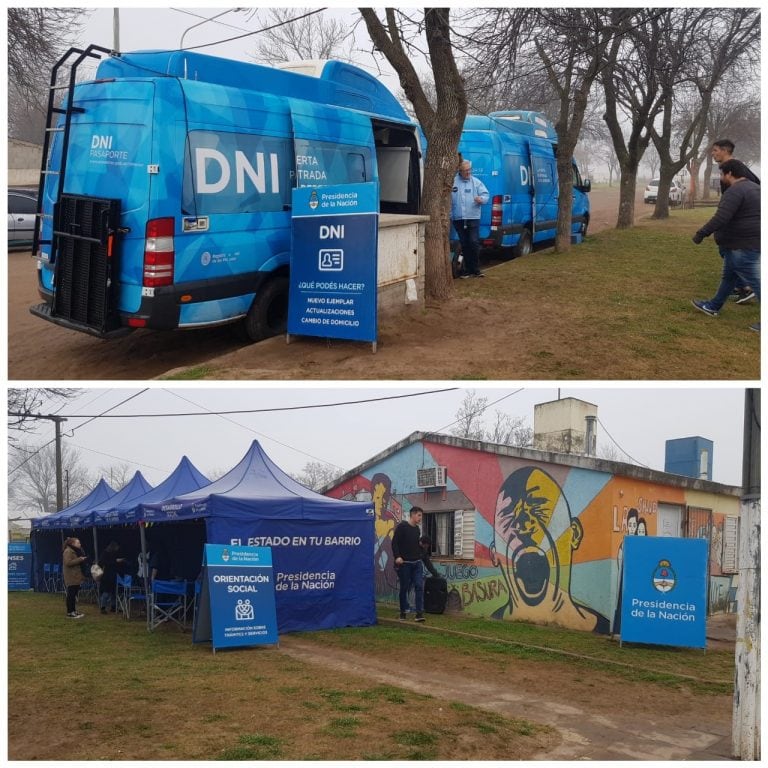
(58, 580)
(89, 591)
(126, 593)
(168, 602)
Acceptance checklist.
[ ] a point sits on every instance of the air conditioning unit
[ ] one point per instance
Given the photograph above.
(432, 477)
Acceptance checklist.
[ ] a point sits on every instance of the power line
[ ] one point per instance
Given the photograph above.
(634, 460)
(206, 18)
(482, 410)
(63, 418)
(107, 415)
(260, 434)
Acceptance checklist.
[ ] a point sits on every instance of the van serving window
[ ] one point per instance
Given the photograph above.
(320, 163)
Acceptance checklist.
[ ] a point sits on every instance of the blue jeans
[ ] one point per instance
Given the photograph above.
(468, 231)
(738, 263)
(411, 575)
(740, 284)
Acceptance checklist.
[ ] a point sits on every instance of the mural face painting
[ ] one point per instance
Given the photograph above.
(523, 540)
(535, 538)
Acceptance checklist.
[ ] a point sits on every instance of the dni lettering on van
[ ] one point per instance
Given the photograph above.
(207, 159)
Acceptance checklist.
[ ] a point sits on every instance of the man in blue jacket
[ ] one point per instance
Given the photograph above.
(736, 227)
(467, 195)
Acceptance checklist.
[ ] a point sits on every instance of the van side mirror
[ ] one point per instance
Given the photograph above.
(586, 186)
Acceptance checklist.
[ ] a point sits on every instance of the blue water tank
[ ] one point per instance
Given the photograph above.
(689, 456)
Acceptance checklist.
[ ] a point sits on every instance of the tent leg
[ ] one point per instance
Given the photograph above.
(145, 577)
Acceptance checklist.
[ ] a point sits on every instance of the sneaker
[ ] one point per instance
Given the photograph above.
(755, 327)
(478, 274)
(704, 307)
(75, 615)
(465, 276)
(419, 617)
(402, 616)
(745, 297)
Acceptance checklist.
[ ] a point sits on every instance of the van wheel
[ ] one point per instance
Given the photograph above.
(584, 227)
(524, 245)
(457, 264)
(268, 315)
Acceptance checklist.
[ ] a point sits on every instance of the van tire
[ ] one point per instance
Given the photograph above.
(457, 263)
(524, 245)
(268, 315)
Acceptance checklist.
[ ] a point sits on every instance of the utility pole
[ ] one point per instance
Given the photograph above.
(116, 29)
(57, 420)
(746, 692)
(59, 484)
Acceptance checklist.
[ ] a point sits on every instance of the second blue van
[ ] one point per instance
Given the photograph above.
(513, 154)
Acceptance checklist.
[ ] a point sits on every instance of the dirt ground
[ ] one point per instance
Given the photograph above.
(38, 350)
(598, 716)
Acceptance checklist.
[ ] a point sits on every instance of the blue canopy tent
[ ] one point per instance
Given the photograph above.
(61, 519)
(183, 544)
(113, 514)
(105, 514)
(47, 533)
(322, 548)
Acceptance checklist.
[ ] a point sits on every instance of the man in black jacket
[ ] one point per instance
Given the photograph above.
(736, 227)
(408, 564)
(722, 151)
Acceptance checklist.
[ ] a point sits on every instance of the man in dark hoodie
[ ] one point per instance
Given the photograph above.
(736, 226)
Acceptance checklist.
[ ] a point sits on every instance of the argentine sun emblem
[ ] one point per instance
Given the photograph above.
(664, 577)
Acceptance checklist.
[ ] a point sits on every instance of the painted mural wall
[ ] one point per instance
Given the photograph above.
(548, 538)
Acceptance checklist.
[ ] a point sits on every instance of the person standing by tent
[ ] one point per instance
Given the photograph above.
(110, 563)
(408, 562)
(72, 559)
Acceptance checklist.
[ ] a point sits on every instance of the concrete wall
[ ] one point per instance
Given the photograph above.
(401, 264)
(548, 538)
(23, 163)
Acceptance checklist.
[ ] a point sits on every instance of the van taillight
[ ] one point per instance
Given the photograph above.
(496, 212)
(159, 253)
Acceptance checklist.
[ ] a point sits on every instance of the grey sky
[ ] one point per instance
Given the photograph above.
(639, 420)
(163, 28)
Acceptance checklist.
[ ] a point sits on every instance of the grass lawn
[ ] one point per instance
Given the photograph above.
(104, 688)
(618, 307)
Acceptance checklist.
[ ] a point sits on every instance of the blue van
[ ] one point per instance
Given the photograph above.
(513, 154)
(166, 185)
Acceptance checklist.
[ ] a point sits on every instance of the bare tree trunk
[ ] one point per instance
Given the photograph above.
(436, 203)
(627, 188)
(441, 125)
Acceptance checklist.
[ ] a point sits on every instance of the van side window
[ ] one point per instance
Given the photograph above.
(322, 163)
(236, 173)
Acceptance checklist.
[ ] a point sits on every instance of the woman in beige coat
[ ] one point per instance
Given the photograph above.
(72, 560)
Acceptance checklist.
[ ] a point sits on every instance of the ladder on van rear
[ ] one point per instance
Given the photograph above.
(69, 109)
(84, 228)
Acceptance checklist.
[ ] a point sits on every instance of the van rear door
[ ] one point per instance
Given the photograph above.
(546, 192)
(109, 156)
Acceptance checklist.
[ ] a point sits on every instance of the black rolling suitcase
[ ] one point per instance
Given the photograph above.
(435, 594)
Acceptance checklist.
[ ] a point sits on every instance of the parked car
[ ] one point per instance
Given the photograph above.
(676, 192)
(22, 207)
